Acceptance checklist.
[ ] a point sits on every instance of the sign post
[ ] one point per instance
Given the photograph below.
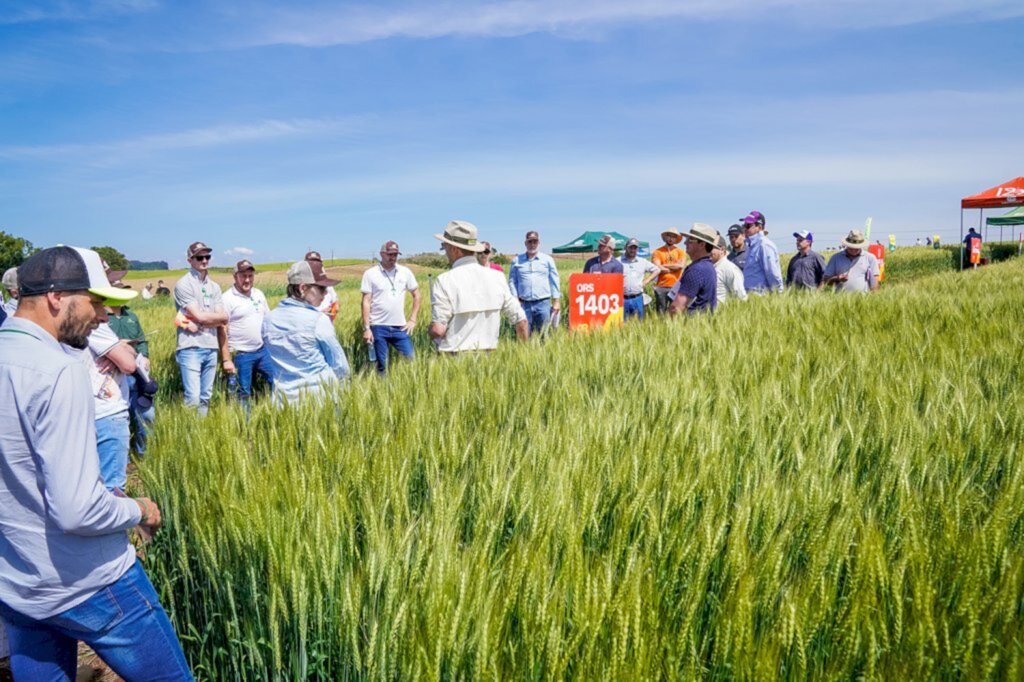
(595, 301)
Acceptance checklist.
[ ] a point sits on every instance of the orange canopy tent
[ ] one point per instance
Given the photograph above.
(1007, 195)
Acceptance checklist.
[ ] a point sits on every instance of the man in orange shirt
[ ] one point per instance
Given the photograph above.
(671, 259)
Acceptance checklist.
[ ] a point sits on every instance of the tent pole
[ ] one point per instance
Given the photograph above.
(961, 238)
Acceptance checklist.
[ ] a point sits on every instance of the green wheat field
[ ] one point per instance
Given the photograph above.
(799, 487)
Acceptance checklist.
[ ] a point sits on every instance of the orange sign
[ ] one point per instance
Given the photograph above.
(595, 301)
(878, 251)
(975, 248)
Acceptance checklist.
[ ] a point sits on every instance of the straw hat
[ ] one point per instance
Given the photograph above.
(704, 233)
(855, 240)
(462, 234)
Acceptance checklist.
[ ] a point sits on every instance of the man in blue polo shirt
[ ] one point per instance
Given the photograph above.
(604, 263)
(696, 291)
(762, 273)
(533, 279)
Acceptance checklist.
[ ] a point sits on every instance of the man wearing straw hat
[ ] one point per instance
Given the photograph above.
(467, 301)
(697, 290)
(671, 259)
(70, 572)
(854, 268)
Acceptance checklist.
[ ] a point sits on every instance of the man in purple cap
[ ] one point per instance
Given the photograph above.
(604, 263)
(807, 267)
(761, 273)
(242, 339)
(383, 307)
(200, 312)
(70, 571)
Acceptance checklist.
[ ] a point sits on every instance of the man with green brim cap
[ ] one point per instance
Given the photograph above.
(70, 570)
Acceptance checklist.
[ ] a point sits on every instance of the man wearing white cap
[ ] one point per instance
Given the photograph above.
(241, 341)
(329, 306)
(70, 572)
(200, 312)
(467, 301)
(308, 360)
(383, 288)
(637, 273)
(854, 268)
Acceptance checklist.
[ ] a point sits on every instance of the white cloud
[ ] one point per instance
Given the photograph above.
(333, 25)
(197, 138)
(239, 251)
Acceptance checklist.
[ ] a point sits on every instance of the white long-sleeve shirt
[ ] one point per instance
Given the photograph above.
(469, 301)
(62, 534)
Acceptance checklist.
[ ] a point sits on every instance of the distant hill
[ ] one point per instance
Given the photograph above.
(148, 265)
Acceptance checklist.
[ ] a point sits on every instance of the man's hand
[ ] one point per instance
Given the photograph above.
(368, 336)
(105, 366)
(192, 327)
(229, 366)
(409, 326)
(151, 518)
(556, 305)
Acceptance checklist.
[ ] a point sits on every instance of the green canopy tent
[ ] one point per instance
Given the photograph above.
(1014, 217)
(587, 243)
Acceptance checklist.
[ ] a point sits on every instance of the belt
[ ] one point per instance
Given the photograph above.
(536, 300)
(629, 296)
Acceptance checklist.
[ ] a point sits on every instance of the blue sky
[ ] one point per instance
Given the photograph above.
(266, 128)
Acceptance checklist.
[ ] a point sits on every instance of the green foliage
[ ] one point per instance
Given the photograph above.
(803, 486)
(115, 259)
(428, 260)
(14, 250)
(147, 265)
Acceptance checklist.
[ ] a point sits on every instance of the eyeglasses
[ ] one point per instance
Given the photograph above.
(203, 257)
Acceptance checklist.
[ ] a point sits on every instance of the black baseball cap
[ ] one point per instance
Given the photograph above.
(69, 268)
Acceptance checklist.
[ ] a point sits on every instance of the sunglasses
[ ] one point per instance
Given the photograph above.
(487, 251)
(206, 257)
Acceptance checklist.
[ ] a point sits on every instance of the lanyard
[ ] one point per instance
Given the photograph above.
(390, 278)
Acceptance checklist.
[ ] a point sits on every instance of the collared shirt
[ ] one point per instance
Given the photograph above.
(738, 258)
(594, 266)
(304, 349)
(329, 306)
(387, 293)
(862, 270)
(730, 281)
(127, 326)
(633, 272)
(245, 319)
(469, 302)
(762, 272)
(534, 279)
(62, 534)
(11, 306)
(668, 255)
(699, 283)
(805, 271)
(205, 294)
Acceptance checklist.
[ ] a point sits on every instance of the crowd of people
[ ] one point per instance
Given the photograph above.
(74, 359)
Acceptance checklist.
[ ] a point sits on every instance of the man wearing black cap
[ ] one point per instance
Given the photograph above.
(200, 312)
(737, 240)
(70, 573)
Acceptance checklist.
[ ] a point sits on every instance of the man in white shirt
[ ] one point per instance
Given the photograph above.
(466, 302)
(329, 306)
(384, 287)
(241, 344)
(637, 273)
(730, 277)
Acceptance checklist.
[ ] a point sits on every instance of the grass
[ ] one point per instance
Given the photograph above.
(802, 486)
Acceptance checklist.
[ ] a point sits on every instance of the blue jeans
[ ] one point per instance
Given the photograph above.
(112, 435)
(198, 370)
(634, 307)
(538, 313)
(385, 336)
(141, 418)
(247, 362)
(124, 623)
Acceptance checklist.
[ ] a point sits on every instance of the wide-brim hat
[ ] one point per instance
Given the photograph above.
(704, 233)
(462, 234)
(855, 240)
(672, 231)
